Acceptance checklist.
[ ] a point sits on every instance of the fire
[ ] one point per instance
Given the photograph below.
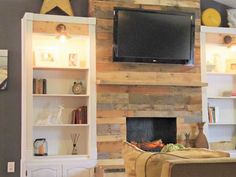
(149, 145)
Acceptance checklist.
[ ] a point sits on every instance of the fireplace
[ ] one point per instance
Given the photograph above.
(149, 129)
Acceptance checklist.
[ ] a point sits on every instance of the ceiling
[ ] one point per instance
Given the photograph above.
(231, 3)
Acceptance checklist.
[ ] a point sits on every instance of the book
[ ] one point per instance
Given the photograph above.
(40, 86)
(34, 85)
(79, 115)
(37, 86)
(213, 114)
(44, 86)
(209, 115)
(84, 115)
(73, 117)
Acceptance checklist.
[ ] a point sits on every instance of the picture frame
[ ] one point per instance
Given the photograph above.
(72, 59)
(46, 57)
(3, 69)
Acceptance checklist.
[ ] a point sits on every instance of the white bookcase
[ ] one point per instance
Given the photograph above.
(217, 71)
(47, 109)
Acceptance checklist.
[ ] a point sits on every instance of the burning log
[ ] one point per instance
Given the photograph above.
(149, 145)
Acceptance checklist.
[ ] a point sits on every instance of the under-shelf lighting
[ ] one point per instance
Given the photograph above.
(62, 34)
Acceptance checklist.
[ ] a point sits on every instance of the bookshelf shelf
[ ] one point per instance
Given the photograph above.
(63, 125)
(221, 73)
(219, 124)
(60, 95)
(222, 97)
(59, 68)
(61, 157)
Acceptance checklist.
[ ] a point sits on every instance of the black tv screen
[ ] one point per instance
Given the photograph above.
(153, 36)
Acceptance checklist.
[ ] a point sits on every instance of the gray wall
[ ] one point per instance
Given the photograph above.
(11, 12)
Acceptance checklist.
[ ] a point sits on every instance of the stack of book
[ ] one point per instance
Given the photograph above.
(213, 114)
(39, 86)
(79, 115)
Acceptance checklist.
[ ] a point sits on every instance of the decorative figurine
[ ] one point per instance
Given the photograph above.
(55, 118)
(187, 143)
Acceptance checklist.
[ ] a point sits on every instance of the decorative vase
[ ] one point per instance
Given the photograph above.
(201, 140)
(74, 150)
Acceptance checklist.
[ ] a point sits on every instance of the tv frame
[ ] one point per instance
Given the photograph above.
(116, 58)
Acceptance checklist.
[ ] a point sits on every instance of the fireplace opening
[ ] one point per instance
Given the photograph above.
(143, 130)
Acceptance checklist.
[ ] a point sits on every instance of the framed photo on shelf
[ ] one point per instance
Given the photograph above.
(231, 65)
(46, 57)
(72, 59)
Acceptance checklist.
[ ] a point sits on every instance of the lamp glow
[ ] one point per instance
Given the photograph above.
(233, 48)
(62, 34)
(62, 38)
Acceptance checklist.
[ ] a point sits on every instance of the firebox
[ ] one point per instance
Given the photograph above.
(148, 129)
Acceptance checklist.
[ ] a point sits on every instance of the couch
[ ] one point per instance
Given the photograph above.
(190, 162)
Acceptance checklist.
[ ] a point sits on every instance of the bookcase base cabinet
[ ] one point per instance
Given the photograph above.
(33, 170)
(58, 170)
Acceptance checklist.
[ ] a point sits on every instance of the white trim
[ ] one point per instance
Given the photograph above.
(207, 29)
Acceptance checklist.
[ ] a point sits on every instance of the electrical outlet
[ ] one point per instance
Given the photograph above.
(11, 167)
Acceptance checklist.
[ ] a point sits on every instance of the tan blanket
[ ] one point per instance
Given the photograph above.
(139, 163)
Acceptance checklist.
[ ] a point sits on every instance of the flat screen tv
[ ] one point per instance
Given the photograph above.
(153, 36)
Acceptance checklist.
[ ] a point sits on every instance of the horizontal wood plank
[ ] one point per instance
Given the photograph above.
(108, 129)
(113, 113)
(50, 28)
(157, 76)
(111, 162)
(110, 147)
(111, 120)
(145, 67)
(175, 3)
(109, 138)
(150, 78)
(104, 9)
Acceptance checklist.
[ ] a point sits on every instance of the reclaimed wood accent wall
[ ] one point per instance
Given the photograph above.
(115, 102)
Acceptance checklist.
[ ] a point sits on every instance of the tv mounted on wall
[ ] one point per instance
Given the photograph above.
(150, 36)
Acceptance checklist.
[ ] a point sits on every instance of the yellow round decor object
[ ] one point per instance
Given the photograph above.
(211, 17)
